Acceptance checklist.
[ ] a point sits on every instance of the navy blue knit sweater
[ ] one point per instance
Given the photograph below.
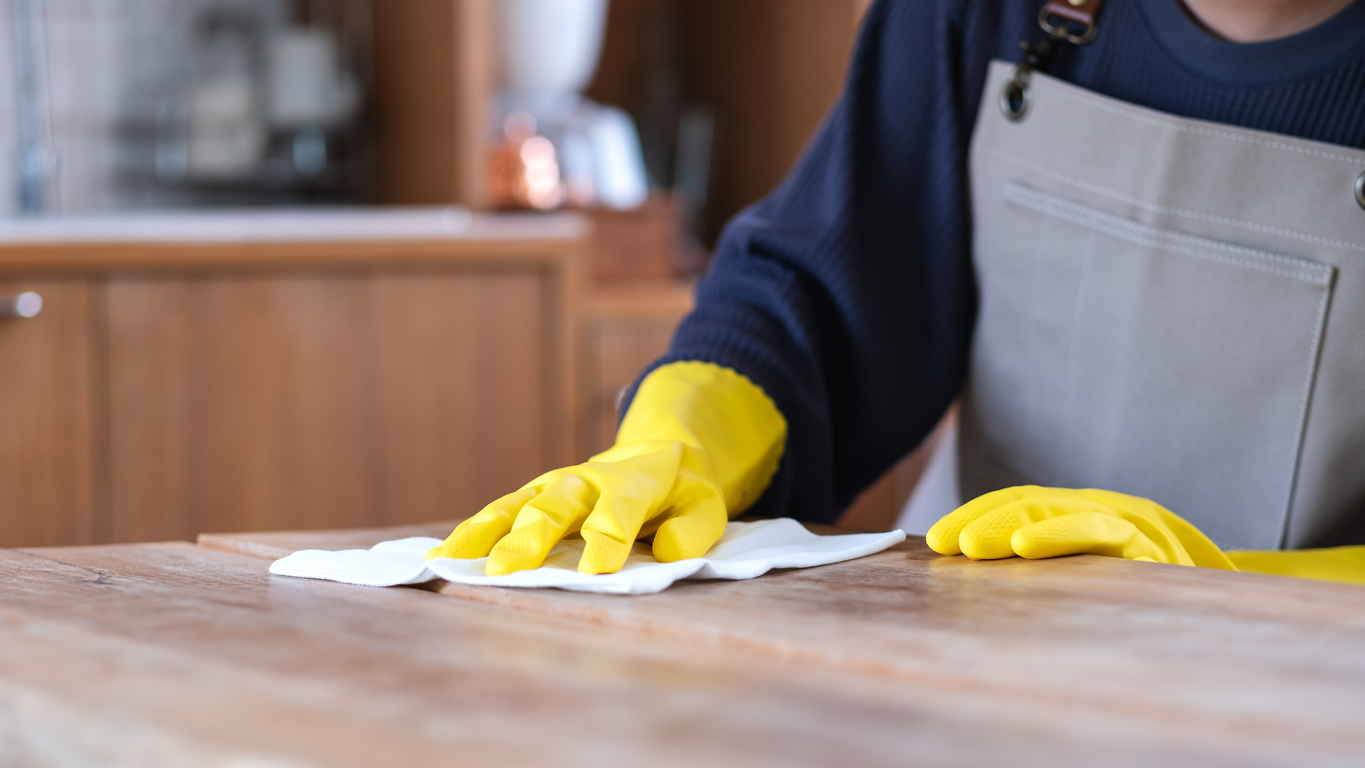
(848, 294)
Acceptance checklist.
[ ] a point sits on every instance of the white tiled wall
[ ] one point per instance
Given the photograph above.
(109, 62)
(8, 113)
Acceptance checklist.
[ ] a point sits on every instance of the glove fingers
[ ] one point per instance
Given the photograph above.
(691, 530)
(943, 537)
(695, 514)
(989, 536)
(544, 520)
(475, 537)
(1180, 542)
(1036, 522)
(637, 493)
(1093, 533)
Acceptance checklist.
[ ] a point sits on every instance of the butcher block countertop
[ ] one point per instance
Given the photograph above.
(179, 654)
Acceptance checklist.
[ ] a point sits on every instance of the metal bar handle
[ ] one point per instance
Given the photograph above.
(26, 304)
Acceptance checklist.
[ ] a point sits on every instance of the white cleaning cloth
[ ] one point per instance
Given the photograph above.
(745, 551)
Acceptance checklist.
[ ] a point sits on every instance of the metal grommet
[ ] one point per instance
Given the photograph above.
(1360, 189)
(1015, 98)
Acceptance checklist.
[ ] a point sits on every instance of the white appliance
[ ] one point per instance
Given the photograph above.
(549, 53)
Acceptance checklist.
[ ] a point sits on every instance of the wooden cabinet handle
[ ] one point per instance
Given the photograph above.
(26, 304)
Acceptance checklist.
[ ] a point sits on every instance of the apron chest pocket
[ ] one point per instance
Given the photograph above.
(1116, 355)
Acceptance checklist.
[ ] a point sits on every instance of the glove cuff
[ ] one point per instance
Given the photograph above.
(730, 420)
(1344, 564)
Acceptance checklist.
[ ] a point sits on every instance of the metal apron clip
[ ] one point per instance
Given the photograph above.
(1073, 22)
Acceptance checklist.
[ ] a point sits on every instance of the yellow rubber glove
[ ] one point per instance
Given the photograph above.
(699, 445)
(1345, 564)
(1035, 522)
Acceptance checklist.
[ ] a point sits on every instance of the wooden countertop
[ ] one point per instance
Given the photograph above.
(283, 238)
(196, 655)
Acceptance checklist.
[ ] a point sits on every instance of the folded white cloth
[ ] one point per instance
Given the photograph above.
(745, 551)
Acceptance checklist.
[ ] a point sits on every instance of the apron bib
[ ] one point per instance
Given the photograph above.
(1170, 308)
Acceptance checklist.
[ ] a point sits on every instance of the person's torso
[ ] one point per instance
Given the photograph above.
(1172, 307)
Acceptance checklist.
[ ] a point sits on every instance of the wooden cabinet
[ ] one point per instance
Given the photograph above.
(434, 70)
(623, 330)
(172, 388)
(47, 431)
(300, 400)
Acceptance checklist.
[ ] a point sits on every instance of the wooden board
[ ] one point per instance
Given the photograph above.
(243, 403)
(635, 248)
(47, 397)
(1260, 662)
(174, 655)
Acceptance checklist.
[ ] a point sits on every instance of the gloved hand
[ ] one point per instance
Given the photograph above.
(1034, 522)
(698, 445)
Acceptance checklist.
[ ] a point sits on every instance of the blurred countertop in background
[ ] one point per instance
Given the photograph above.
(296, 224)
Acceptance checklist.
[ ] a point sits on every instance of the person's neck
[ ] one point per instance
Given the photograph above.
(1253, 21)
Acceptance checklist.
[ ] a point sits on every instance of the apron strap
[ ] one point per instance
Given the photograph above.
(1065, 22)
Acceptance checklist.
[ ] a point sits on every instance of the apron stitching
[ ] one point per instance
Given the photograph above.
(1314, 349)
(1185, 212)
(1155, 243)
(1152, 237)
(1202, 131)
(1020, 191)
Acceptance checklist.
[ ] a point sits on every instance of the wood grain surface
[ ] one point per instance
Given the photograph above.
(175, 655)
(323, 400)
(47, 401)
(1264, 664)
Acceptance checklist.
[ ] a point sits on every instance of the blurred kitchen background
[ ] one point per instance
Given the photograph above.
(117, 105)
(325, 263)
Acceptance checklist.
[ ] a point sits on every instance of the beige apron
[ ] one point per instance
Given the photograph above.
(1170, 308)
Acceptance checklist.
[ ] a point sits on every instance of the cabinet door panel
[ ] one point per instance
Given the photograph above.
(617, 350)
(320, 401)
(45, 418)
(462, 391)
(624, 331)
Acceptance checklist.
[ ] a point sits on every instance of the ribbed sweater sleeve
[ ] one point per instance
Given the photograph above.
(842, 295)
